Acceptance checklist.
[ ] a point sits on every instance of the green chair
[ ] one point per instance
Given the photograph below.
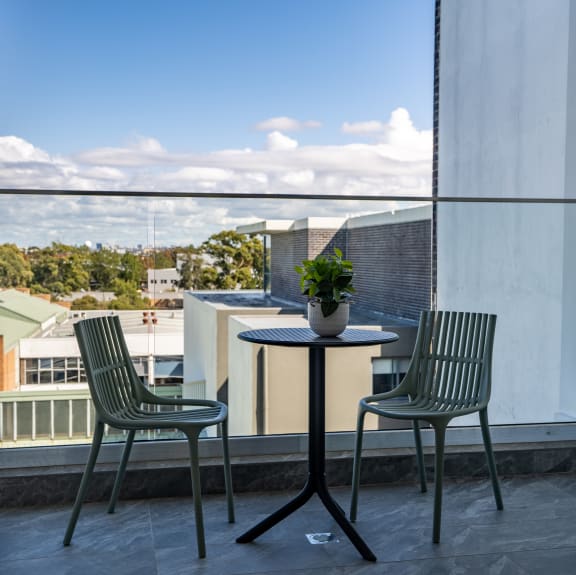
(449, 375)
(123, 402)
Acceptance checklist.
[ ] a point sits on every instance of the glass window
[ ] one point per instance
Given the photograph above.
(31, 364)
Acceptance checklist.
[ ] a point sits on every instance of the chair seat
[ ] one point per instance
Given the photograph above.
(140, 418)
(419, 409)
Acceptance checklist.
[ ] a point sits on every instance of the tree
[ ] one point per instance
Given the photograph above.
(237, 260)
(14, 267)
(192, 270)
(86, 302)
(59, 269)
(105, 267)
(132, 269)
(127, 296)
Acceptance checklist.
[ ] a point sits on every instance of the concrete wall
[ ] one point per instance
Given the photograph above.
(206, 345)
(506, 127)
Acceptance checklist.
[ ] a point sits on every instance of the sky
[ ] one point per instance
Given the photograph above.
(263, 96)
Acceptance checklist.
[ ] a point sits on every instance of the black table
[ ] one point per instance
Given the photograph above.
(316, 482)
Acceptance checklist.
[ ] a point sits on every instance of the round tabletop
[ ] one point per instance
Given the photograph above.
(305, 337)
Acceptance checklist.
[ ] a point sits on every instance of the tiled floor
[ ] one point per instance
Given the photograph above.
(535, 534)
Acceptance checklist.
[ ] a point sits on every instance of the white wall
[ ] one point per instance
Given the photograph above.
(206, 343)
(285, 381)
(138, 345)
(504, 106)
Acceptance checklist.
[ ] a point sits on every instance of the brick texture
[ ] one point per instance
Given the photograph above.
(392, 264)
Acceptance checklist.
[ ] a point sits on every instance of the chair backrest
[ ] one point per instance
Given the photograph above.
(452, 360)
(111, 375)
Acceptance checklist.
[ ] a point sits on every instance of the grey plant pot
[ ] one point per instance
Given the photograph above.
(332, 325)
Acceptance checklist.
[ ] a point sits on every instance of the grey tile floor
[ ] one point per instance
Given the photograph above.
(535, 534)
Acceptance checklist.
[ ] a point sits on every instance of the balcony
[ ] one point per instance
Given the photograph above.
(533, 535)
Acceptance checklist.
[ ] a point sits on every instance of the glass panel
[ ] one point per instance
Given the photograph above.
(45, 363)
(25, 420)
(61, 414)
(79, 419)
(42, 419)
(59, 363)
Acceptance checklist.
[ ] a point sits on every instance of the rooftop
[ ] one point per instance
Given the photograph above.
(259, 299)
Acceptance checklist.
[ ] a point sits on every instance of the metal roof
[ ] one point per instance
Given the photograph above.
(30, 307)
(23, 315)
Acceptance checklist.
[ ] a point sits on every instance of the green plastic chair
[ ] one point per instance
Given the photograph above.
(120, 399)
(449, 376)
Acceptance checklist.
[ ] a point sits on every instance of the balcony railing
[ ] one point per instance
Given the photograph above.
(512, 257)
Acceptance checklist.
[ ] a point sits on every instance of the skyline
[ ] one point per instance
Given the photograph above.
(300, 97)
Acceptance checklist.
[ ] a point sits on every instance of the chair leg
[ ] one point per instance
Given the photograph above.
(121, 471)
(96, 442)
(419, 456)
(356, 465)
(440, 430)
(197, 493)
(490, 457)
(227, 471)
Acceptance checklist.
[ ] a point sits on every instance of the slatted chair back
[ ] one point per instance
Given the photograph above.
(451, 364)
(110, 373)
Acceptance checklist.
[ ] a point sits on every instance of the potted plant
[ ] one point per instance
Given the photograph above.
(327, 281)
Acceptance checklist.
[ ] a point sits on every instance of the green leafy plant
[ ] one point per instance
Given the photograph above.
(327, 280)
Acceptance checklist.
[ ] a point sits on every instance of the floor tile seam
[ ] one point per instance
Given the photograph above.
(152, 538)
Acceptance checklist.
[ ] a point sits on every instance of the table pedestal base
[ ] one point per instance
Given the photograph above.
(313, 485)
(316, 482)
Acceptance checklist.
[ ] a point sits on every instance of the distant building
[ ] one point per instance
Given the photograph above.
(22, 316)
(160, 280)
(49, 400)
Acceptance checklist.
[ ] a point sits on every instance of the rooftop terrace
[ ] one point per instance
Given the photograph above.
(533, 535)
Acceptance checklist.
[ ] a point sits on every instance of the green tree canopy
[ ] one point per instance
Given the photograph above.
(15, 269)
(87, 302)
(105, 267)
(59, 269)
(236, 258)
(132, 269)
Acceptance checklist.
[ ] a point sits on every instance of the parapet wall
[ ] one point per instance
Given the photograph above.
(391, 253)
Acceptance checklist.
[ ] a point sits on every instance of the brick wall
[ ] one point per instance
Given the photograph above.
(392, 264)
(289, 249)
(392, 267)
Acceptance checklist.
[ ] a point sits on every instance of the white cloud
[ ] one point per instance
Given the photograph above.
(285, 124)
(144, 144)
(397, 138)
(398, 163)
(371, 127)
(278, 141)
(298, 179)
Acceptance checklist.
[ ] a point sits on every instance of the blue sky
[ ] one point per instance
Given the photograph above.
(113, 91)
